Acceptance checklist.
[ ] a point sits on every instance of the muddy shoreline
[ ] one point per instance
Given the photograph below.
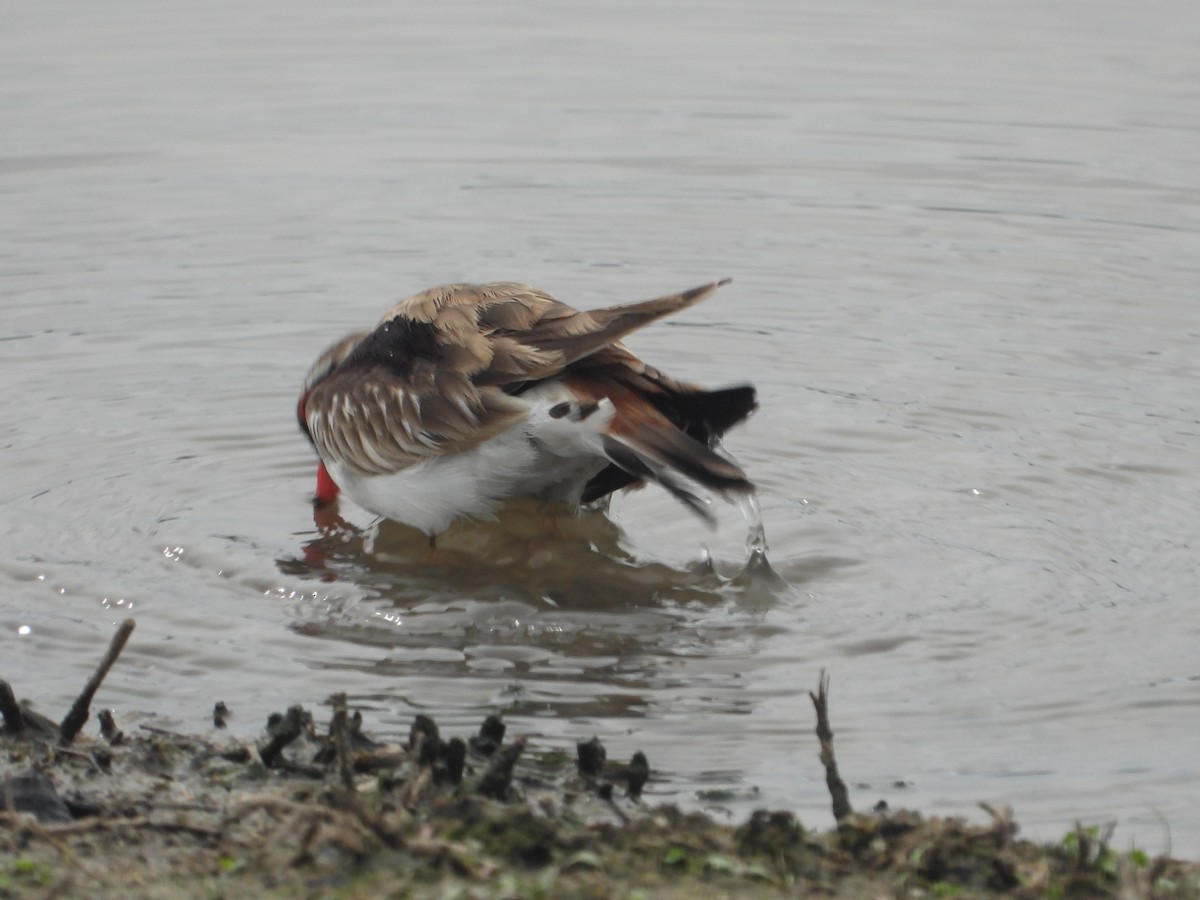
(316, 807)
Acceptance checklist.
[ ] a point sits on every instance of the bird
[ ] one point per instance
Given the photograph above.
(467, 395)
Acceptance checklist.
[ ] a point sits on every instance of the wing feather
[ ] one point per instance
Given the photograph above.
(439, 373)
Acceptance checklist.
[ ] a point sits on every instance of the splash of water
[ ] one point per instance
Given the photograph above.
(703, 566)
(757, 571)
(756, 535)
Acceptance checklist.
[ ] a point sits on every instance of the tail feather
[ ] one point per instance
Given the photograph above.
(670, 458)
(641, 467)
(706, 415)
(677, 452)
(701, 417)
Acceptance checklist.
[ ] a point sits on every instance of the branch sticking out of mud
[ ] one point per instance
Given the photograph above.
(80, 710)
(837, 787)
(339, 731)
(14, 721)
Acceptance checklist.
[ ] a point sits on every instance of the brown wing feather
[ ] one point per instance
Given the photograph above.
(552, 334)
(430, 379)
(376, 423)
(578, 335)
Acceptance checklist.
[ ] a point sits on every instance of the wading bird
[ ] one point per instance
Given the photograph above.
(466, 395)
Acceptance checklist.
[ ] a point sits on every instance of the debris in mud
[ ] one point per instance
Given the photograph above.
(326, 810)
(32, 792)
(491, 735)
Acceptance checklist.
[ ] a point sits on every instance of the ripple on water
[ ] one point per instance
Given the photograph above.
(586, 627)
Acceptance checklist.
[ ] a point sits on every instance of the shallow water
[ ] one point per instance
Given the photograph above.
(963, 239)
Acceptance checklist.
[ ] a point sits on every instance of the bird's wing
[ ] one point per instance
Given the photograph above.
(443, 370)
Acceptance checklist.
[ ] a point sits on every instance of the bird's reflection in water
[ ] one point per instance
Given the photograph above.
(554, 605)
(530, 551)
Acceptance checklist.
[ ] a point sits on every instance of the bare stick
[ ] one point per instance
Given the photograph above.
(339, 731)
(837, 787)
(81, 708)
(14, 721)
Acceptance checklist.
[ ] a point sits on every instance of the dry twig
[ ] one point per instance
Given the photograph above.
(78, 714)
(10, 709)
(837, 787)
(339, 732)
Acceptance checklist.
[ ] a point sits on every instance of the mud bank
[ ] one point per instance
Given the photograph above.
(318, 808)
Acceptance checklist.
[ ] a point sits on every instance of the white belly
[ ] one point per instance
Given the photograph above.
(542, 457)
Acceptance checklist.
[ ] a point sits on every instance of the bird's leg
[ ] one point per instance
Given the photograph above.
(431, 552)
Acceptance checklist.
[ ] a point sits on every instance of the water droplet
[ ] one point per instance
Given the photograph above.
(756, 537)
(704, 565)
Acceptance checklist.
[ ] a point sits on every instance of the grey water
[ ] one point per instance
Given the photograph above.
(964, 240)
